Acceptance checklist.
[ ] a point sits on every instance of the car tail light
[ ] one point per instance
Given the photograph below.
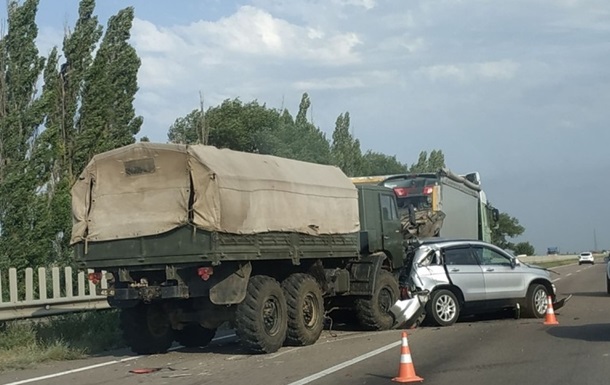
(95, 278)
(205, 272)
(401, 192)
(428, 190)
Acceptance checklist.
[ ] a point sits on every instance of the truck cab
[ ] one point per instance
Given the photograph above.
(380, 226)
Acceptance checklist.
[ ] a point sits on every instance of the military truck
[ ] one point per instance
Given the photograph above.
(193, 237)
(439, 204)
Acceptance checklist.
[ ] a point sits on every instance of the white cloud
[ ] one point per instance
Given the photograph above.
(255, 32)
(471, 72)
(366, 4)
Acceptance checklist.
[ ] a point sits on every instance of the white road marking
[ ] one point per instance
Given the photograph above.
(100, 365)
(567, 275)
(345, 364)
(556, 279)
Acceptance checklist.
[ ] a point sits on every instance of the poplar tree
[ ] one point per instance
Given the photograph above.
(345, 150)
(107, 117)
(20, 116)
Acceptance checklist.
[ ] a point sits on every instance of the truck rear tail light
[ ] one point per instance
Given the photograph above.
(205, 272)
(428, 190)
(401, 192)
(95, 278)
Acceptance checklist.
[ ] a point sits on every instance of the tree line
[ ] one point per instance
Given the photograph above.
(49, 133)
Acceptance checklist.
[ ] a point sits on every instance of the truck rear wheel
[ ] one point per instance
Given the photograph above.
(261, 318)
(305, 309)
(146, 329)
(194, 336)
(374, 312)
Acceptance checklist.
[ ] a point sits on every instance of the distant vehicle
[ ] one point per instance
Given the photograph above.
(586, 257)
(440, 204)
(552, 251)
(466, 277)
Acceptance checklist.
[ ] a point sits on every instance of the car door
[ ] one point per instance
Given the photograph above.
(465, 272)
(503, 279)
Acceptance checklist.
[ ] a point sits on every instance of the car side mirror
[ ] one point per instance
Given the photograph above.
(514, 262)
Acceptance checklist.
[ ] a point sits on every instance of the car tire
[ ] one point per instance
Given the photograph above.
(536, 301)
(607, 284)
(443, 308)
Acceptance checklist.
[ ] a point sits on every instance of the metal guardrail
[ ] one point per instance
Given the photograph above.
(24, 299)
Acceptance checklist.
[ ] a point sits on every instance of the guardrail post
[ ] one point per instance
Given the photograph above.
(29, 284)
(42, 283)
(12, 282)
(92, 290)
(69, 287)
(56, 282)
(81, 283)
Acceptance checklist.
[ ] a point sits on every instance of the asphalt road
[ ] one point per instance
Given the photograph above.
(491, 350)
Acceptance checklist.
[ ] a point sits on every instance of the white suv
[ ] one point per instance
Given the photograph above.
(586, 257)
(473, 276)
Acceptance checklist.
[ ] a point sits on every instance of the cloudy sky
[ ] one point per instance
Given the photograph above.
(517, 90)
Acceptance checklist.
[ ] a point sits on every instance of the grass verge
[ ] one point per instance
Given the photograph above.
(556, 263)
(27, 342)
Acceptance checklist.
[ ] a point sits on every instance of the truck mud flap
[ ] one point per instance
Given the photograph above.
(364, 274)
(232, 289)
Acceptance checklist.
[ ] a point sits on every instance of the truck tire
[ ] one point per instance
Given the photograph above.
(261, 318)
(194, 336)
(374, 312)
(305, 309)
(146, 329)
(536, 301)
(443, 308)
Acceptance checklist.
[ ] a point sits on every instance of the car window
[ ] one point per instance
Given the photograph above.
(459, 256)
(488, 256)
(429, 259)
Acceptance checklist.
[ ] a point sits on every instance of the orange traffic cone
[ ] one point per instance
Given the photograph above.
(406, 370)
(550, 319)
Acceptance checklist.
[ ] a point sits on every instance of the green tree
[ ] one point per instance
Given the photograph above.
(376, 163)
(300, 139)
(435, 161)
(237, 126)
(524, 248)
(185, 130)
(78, 46)
(53, 155)
(345, 150)
(107, 117)
(507, 227)
(253, 127)
(20, 116)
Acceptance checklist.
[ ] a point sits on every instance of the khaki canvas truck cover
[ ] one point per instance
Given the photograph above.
(145, 189)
